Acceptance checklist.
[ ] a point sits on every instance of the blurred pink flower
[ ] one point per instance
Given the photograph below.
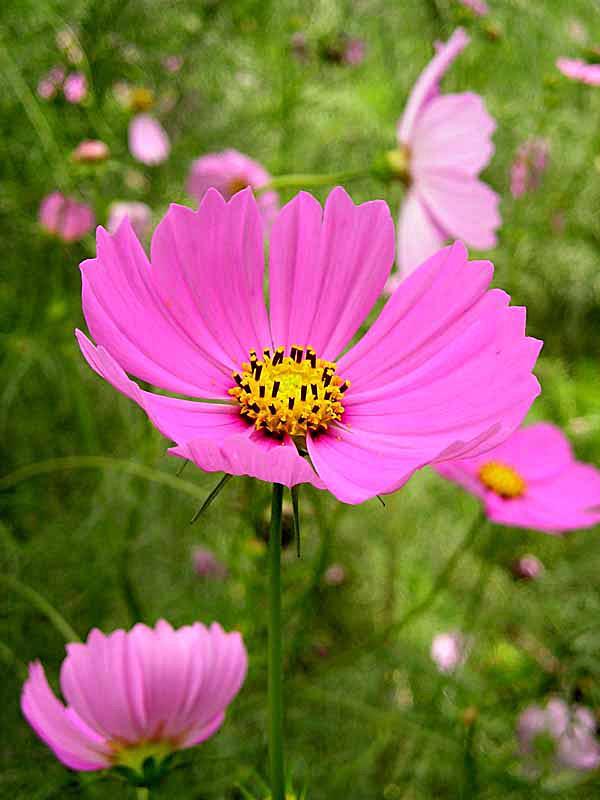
(75, 87)
(173, 63)
(571, 731)
(532, 480)
(206, 564)
(299, 46)
(229, 172)
(131, 695)
(335, 575)
(445, 141)
(51, 83)
(67, 41)
(478, 7)
(66, 217)
(579, 70)
(354, 51)
(139, 215)
(527, 568)
(444, 372)
(531, 161)
(91, 150)
(148, 140)
(448, 651)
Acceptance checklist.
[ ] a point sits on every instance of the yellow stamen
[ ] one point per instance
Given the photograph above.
(142, 99)
(502, 479)
(236, 185)
(291, 394)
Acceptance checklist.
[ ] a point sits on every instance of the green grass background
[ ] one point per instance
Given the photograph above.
(108, 532)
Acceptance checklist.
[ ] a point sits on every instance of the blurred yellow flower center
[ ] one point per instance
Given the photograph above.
(398, 163)
(502, 479)
(291, 394)
(236, 185)
(141, 99)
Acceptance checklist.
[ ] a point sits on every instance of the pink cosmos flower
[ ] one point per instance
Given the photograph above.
(570, 731)
(206, 564)
(90, 150)
(148, 140)
(334, 575)
(131, 695)
(448, 651)
(445, 141)
(66, 217)
(533, 481)
(531, 161)
(139, 215)
(579, 70)
(50, 83)
(478, 7)
(229, 172)
(75, 87)
(445, 372)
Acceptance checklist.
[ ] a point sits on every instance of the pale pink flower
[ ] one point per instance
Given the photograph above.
(131, 695)
(75, 87)
(139, 215)
(444, 372)
(531, 161)
(354, 51)
(570, 731)
(148, 140)
(478, 7)
(335, 575)
(207, 565)
(51, 83)
(229, 172)
(532, 480)
(67, 41)
(91, 150)
(445, 141)
(527, 568)
(579, 70)
(66, 217)
(448, 651)
(173, 63)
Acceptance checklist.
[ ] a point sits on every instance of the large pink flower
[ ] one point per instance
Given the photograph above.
(229, 172)
(532, 480)
(578, 70)
(445, 141)
(66, 217)
(444, 372)
(131, 695)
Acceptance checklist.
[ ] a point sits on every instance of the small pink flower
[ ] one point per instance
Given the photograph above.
(478, 7)
(354, 51)
(448, 651)
(443, 373)
(335, 575)
(527, 568)
(66, 217)
(51, 83)
(148, 140)
(299, 46)
(75, 87)
(229, 172)
(579, 70)
(139, 215)
(531, 161)
(91, 150)
(569, 731)
(532, 481)
(130, 695)
(173, 63)
(445, 141)
(206, 564)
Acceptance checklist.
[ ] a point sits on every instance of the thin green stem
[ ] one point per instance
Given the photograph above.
(275, 654)
(41, 604)
(301, 181)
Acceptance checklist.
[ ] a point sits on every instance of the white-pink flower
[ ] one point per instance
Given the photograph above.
(445, 141)
(148, 140)
(578, 70)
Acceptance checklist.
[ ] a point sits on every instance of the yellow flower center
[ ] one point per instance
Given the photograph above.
(142, 99)
(398, 162)
(291, 394)
(236, 185)
(502, 479)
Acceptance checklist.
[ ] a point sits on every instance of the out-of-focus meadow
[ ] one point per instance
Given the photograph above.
(94, 517)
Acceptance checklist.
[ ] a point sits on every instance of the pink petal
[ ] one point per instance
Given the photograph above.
(325, 275)
(418, 235)
(208, 268)
(426, 86)
(579, 70)
(127, 315)
(453, 133)
(176, 419)
(72, 742)
(148, 140)
(464, 207)
(251, 454)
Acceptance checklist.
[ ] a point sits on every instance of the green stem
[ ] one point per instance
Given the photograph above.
(275, 650)
(41, 604)
(301, 181)
(142, 793)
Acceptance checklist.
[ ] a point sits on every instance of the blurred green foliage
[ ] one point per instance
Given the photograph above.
(368, 715)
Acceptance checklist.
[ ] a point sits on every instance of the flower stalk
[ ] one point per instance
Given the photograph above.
(275, 655)
(300, 181)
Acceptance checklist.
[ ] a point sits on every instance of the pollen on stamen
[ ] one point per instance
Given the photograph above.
(502, 479)
(294, 394)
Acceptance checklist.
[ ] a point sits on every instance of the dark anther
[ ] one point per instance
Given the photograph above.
(258, 371)
(293, 352)
(278, 356)
(311, 356)
(290, 403)
(275, 388)
(273, 408)
(298, 356)
(267, 353)
(314, 389)
(343, 387)
(303, 391)
(315, 408)
(255, 407)
(262, 389)
(246, 387)
(327, 395)
(327, 379)
(238, 378)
